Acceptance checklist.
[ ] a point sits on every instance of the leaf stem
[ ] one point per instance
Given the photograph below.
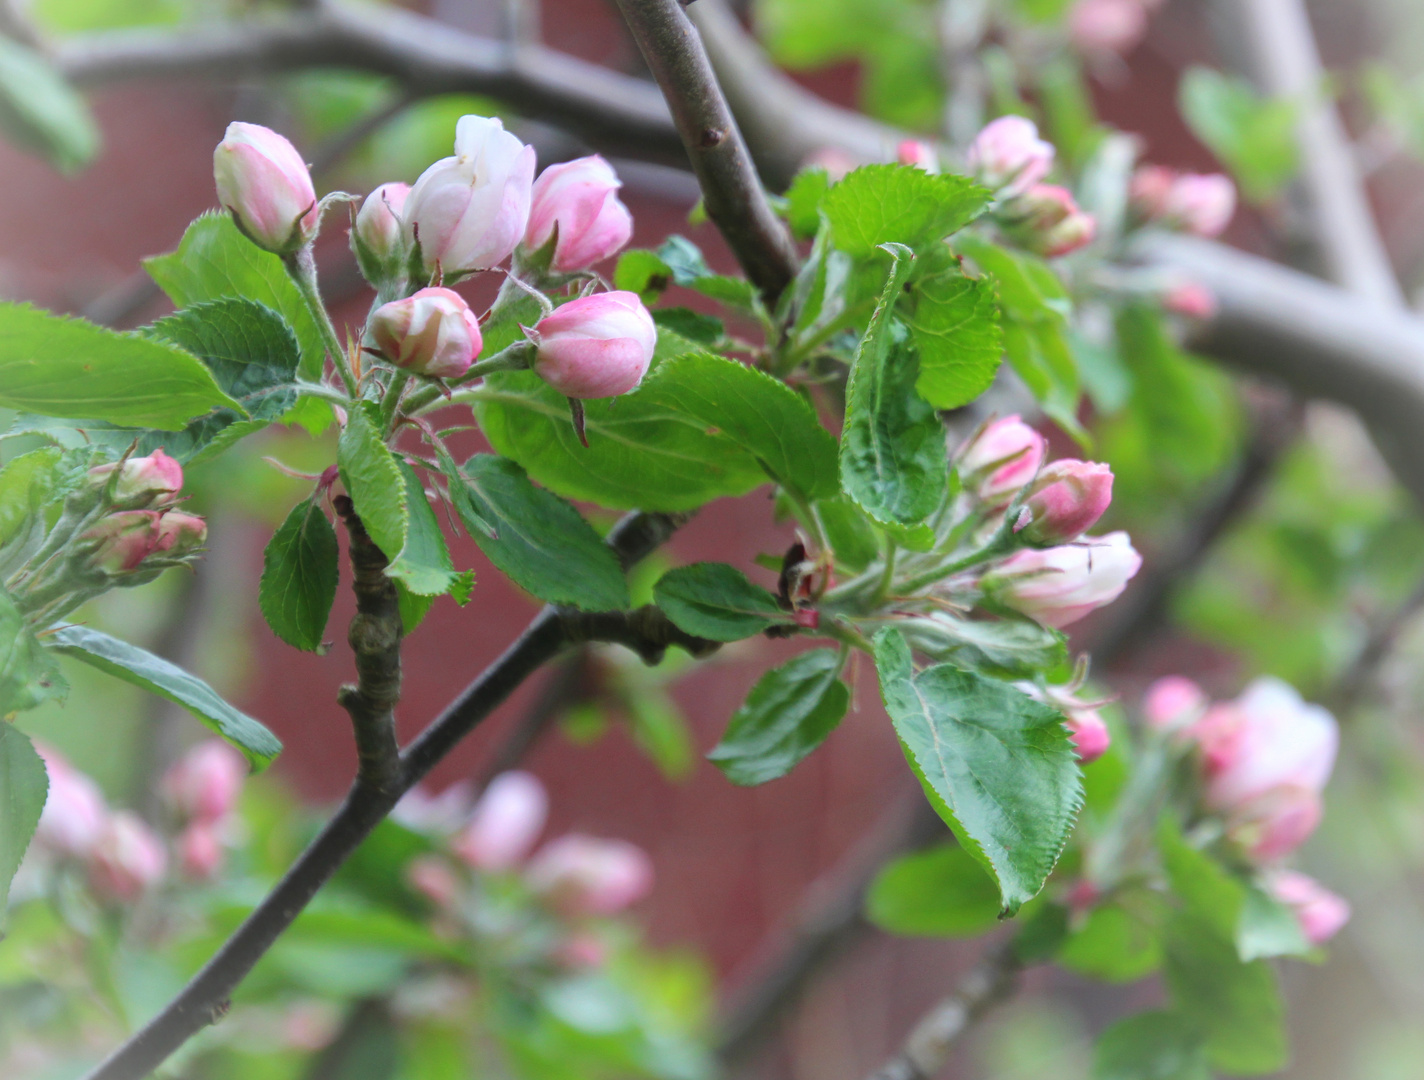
(391, 401)
(301, 267)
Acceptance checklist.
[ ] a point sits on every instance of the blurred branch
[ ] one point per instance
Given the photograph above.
(567, 686)
(1350, 688)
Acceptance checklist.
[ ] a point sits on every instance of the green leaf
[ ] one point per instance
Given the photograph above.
(373, 480)
(252, 354)
(789, 712)
(27, 671)
(690, 270)
(1008, 647)
(760, 413)
(899, 204)
(803, 201)
(1268, 928)
(703, 329)
(955, 321)
(1118, 943)
(942, 892)
(1029, 290)
(158, 676)
(894, 463)
(540, 542)
(40, 111)
(424, 565)
(214, 260)
(299, 574)
(24, 786)
(58, 366)
(27, 483)
(1150, 1046)
(642, 272)
(1254, 137)
(1235, 1006)
(853, 539)
(996, 764)
(716, 601)
(1204, 887)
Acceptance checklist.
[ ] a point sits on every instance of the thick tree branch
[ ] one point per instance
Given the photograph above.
(731, 189)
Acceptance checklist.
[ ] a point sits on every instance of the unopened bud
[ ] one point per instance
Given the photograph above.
(1066, 501)
(1001, 459)
(1202, 204)
(1046, 219)
(580, 199)
(376, 237)
(505, 824)
(1089, 733)
(598, 346)
(1320, 913)
(1059, 585)
(1173, 702)
(919, 154)
(74, 812)
(1009, 157)
(152, 481)
(432, 333)
(203, 785)
(124, 540)
(586, 876)
(127, 859)
(200, 851)
(1107, 26)
(180, 534)
(265, 184)
(1190, 299)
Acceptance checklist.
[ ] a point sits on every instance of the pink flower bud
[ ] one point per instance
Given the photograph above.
(582, 875)
(127, 859)
(1046, 219)
(580, 197)
(432, 333)
(124, 540)
(1059, 585)
(1089, 733)
(1001, 459)
(1190, 299)
(1203, 205)
(265, 184)
(1271, 825)
(469, 211)
(203, 785)
(596, 347)
(200, 851)
(74, 813)
(433, 878)
(583, 951)
(1107, 26)
(1066, 501)
(155, 480)
(378, 224)
(1009, 157)
(1149, 189)
(506, 821)
(1319, 911)
(836, 161)
(180, 534)
(1173, 703)
(919, 154)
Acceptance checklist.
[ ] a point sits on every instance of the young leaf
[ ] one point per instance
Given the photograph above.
(1119, 943)
(299, 574)
(789, 712)
(1150, 1046)
(372, 479)
(853, 539)
(942, 892)
(27, 670)
(803, 201)
(1254, 136)
(1268, 928)
(899, 204)
(894, 463)
(642, 272)
(996, 764)
(539, 541)
(690, 270)
(716, 601)
(424, 564)
(27, 483)
(153, 673)
(59, 366)
(40, 111)
(955, 322)
(24, 786)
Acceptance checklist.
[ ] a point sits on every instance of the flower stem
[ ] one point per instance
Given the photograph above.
(301, 267)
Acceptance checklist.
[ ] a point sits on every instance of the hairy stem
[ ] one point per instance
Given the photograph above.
(301, 267)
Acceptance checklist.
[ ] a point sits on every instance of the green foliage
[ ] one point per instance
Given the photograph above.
(57, 366)
(27, 483)
(41, 112)
(716, 601)
(955, 322)
(142, 669)
(942, 892)
(1253, 136)
(684, 262)
(1119, 942)
(24, 787)
(373, 480)
(27, 671)
(299, 575)
(424, 566)
(1150, 1046)
(803, 201)
(997, 765)
(77, 16)
(536, 538)
(1268, 928)
(788, 713)
(898, 204)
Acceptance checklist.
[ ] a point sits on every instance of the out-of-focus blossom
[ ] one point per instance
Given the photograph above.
(267, 187)
(200, 851)
(1319, 911)
(143, 482)
(505, 824)
(833, 159)
(580, 199)
(1059, 585)
(1047, 219)
(1173, 702)
(1203, 204)
(1107, 26)
(74, 813)
(584, 875)
(434, 879)
(127, 858)
(204, 783)
(919, 154)
(1001, 459)
(1009, 157)
(1191, 299)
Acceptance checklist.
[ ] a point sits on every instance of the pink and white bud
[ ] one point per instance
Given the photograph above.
(1066, 501)
(74, 812)
(1009, 157)
(1270, 826)
(469, 211)
(1191, 299)
(505, 824)
(265, 184)
(152, 481)
(1320, 912)
(433, 878)
(432, 333)
(1089, 733)
(1173, 703)
(1001, 459)
(597, 346)
(378, 223)
(200, 851)
(127, 859)
(919, 154)
(180, 534)
(1149, 189)
(1107, 26)
(203, 785)
(580, 198)
(1059, 585)
(123, 540)
(1201, 204)
(1046, 219)
(583, 875)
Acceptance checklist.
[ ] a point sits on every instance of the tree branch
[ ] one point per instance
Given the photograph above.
(731, 189)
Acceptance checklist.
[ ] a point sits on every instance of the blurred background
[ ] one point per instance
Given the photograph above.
(1276, 542)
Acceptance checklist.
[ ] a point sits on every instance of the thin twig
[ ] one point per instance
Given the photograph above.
(1353, 684)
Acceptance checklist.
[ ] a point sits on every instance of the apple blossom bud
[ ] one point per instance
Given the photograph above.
(1190, 299)
(1009, 157)
(1001, 459)
(432, 333)
(200, 851)
(1319, 911)
(1271, 825)
(1046, 219)
(1107, 26)
(597, 346)
(506, 821)
(203, 785)
(835, 161)
(1173, 702)
(152, 481)
(919, 154)
(265, 184)
(180, 534)
(468, 212)
(376, 237)
(1148, 190)
(74, 812)
(583, 875)
(123, 540)
(1089, 733)
(127, 859)
(1059, 585)
(580, 198)
(1066, 501)
(1201, 204)
(433, 878)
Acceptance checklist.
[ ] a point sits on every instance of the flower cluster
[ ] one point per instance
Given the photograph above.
(1009, 158)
